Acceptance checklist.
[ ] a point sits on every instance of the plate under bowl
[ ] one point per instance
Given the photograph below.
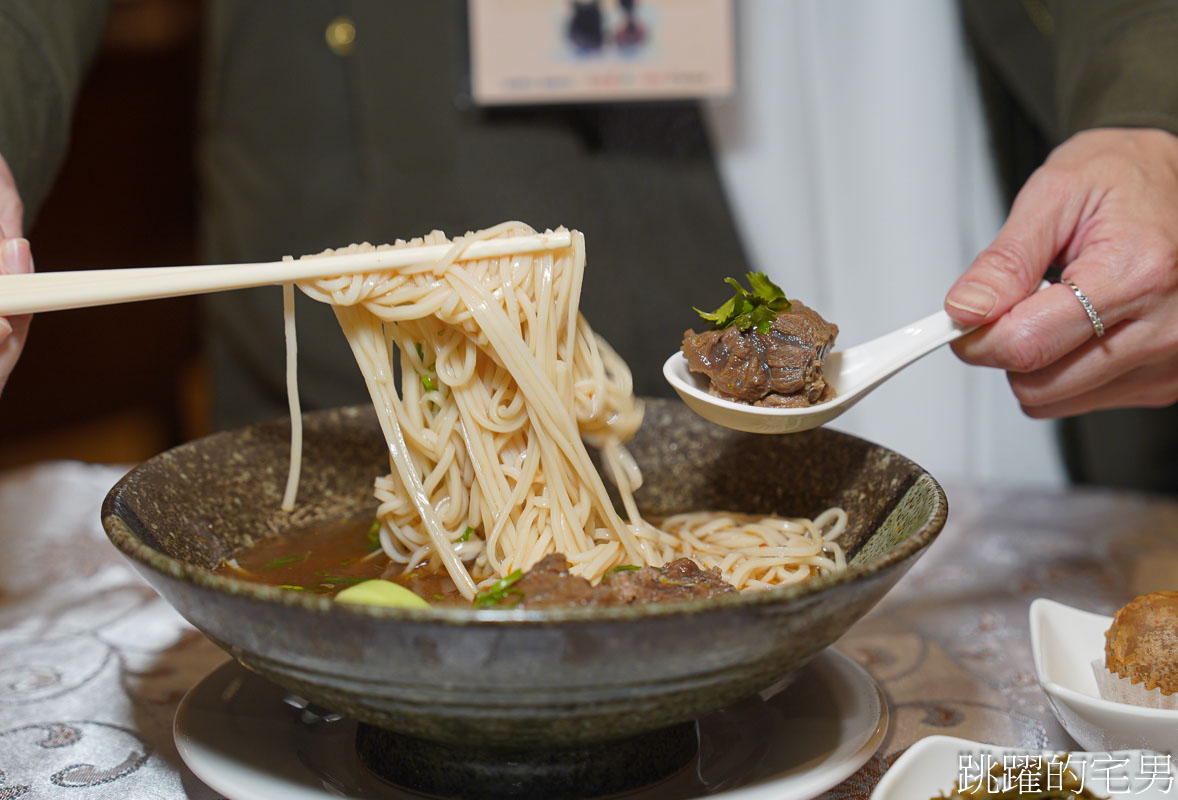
(522, 679)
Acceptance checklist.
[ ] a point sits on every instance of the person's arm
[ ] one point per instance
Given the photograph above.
(1104, 206)
(45, 48)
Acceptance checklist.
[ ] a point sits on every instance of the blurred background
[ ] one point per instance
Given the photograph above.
(125, 197)
(853, 158)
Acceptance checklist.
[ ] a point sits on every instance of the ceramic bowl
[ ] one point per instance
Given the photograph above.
(1064, 642)
(532, 678)
(932, 766)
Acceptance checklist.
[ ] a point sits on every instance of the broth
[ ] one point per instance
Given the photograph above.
(326, 559)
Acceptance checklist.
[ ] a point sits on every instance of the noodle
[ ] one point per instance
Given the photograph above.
(501, 384)
(292, 397)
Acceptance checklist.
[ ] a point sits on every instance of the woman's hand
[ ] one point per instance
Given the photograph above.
(1104, 206)
(14, 257)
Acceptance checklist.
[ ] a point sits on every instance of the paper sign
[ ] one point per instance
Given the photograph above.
(565, 51)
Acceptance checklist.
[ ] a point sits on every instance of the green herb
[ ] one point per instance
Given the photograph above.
(428, 383)
(374, 534)
(621, 568)
(750, 309)
(344, 579)
(499, 590)
(439, 597)
(282, 562)
(420, 353)
(466, 534)
(292, 587)
(348, 561)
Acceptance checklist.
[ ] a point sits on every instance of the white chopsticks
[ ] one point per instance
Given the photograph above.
(55, 291)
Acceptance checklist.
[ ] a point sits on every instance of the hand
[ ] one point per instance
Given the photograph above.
(1104, 206)
(14, 257)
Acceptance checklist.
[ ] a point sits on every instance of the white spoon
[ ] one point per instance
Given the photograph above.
(851, 373)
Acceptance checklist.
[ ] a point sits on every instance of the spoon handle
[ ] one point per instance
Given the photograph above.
(871, 362)
(898, 349)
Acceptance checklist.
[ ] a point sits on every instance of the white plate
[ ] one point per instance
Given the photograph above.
(933, 765)
(1064, 642)
(238, 733)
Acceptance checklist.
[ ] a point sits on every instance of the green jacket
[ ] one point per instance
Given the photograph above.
(303, 149)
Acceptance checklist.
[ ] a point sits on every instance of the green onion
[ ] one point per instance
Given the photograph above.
(428, 383)
(500, 589)
(374, 534)
(282, 562)
(466, 534)
(619, 568)
(331, 580)
(292, 587)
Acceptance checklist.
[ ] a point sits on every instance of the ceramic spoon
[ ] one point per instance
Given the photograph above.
(852, 373)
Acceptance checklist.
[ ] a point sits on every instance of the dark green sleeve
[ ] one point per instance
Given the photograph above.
(1116, 63)
(45, 48)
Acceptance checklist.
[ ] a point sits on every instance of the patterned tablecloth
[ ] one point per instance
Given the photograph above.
(92, 663)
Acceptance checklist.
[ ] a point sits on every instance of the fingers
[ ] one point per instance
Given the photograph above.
(15, 258)
(1053, 322)
(1153, 385)
(1040, 223)
(11, 207)
(1135, 364)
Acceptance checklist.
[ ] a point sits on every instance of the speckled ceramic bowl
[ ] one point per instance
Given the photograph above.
(541, 678)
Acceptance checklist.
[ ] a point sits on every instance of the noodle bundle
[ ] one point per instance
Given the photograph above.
(487, 383)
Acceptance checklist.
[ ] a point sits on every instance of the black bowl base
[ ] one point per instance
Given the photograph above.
(492, 773)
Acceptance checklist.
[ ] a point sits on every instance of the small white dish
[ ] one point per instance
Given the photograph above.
(931, 767)
(1064, 643)
(240, 735)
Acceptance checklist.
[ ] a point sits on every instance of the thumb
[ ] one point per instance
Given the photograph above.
(1040, 223)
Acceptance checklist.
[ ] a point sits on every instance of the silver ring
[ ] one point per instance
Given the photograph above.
(1093, 317)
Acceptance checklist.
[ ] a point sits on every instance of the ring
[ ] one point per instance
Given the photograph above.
(1093, 317)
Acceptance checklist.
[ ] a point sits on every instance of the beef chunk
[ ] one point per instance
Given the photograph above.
(779, 368)
(682, 579)
(548, 583)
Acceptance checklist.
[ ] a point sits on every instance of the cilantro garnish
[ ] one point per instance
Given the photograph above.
(749, 309)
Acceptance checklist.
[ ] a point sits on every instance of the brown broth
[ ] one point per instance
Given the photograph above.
(326, 559)
(323, 559)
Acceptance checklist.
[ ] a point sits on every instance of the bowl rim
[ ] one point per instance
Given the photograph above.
(121, 535)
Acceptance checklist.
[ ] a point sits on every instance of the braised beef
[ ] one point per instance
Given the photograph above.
(779, 368)
(682, 579)
(549, 584)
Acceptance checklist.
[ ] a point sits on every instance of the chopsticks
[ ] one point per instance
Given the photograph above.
(56, 291)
